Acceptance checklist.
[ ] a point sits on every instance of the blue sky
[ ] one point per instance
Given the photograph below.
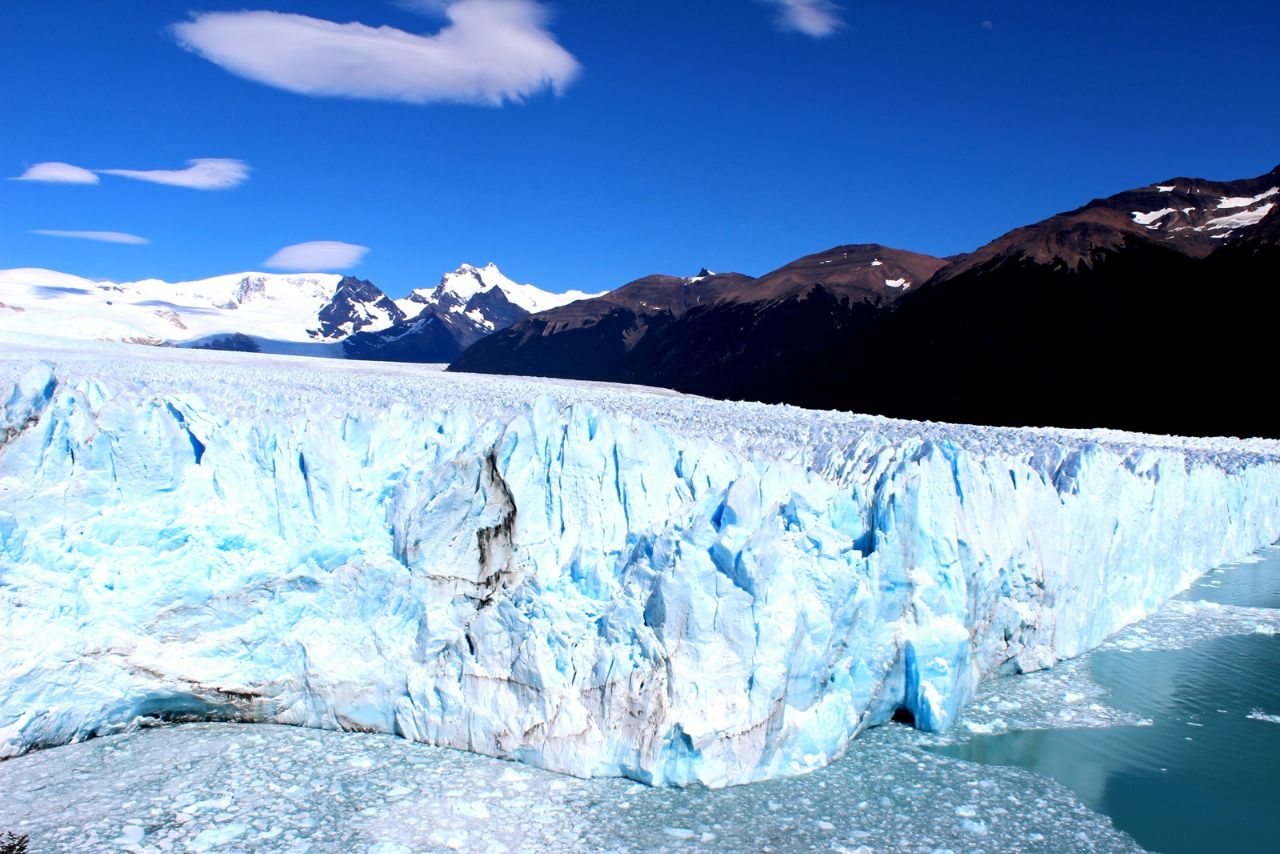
(630, 136)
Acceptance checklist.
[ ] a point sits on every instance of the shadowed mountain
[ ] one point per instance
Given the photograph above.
(707, 334)
(1149, 310)
(1113, 315)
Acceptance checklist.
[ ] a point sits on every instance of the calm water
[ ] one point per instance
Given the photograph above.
(1204, 775)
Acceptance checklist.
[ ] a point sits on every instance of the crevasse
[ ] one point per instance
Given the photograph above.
(583, 590)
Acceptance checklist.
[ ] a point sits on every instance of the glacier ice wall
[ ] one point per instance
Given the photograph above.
(576, 586)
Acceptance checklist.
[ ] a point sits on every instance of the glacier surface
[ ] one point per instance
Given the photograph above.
(595, 580)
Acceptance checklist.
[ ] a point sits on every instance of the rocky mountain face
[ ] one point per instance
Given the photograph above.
(355, 305)
(1148, 310)
(711, 333)
(437, 324)
(1116, 314)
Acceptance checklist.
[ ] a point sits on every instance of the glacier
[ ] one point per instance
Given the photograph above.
(595, 580)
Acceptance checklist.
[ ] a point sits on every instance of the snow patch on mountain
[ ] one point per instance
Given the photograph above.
(1241, 202)
(1239, 220)
(1148, 219)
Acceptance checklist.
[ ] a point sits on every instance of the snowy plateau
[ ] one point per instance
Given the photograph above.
(592, 579)
(313, 314)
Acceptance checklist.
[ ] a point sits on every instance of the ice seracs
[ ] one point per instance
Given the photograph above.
(593, 580)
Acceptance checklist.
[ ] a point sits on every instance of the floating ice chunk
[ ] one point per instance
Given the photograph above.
(131, 835)
(388, 848)
(214, 837)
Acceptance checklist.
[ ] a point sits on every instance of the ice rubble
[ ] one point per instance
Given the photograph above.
(591, 580)
(285, 790)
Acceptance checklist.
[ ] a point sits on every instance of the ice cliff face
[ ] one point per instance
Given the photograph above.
(695, 595)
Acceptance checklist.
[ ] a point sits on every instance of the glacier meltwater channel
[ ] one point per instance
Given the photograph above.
(592, 580)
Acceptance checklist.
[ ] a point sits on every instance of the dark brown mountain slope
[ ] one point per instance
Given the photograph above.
(708, 334)
(1149, 310)
(1091, 318)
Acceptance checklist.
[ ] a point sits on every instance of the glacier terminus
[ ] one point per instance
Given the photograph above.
(595, 580)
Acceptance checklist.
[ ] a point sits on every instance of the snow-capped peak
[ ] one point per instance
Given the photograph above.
(467, 281)
(456, 290)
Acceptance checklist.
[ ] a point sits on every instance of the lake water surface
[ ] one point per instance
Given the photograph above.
(1201, 770)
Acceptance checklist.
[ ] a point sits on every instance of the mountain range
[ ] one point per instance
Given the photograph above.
(306, 314)
(1149, 310)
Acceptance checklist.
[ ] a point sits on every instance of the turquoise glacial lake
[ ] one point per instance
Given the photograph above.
(1201, 771)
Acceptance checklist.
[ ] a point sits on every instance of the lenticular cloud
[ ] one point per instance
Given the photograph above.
(58, 173)
(491, 52)
(317, 255)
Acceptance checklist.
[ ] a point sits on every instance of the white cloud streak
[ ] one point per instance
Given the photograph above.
(99, 236)
(317, 256)
(816, 18)
(207, 173)
(57, 173)
(489, 52)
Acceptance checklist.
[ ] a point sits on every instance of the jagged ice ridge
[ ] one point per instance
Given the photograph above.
(594, 580)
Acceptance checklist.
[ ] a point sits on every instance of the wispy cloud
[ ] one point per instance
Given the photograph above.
(207, 173)
(425, 7)
(489, 52)
(317, 256)
(816, 18)
(57, 173)
(100, 236)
